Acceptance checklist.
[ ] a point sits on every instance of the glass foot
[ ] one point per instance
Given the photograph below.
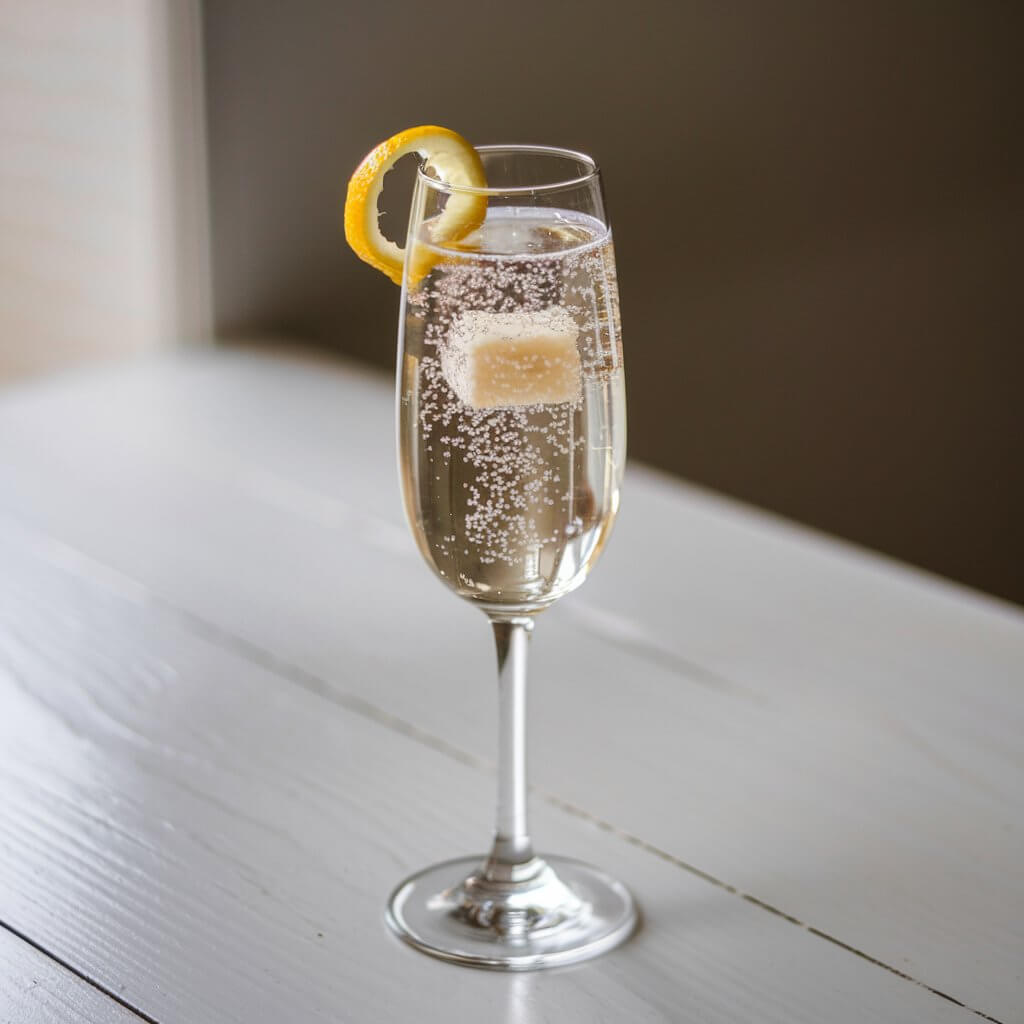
(549, 912)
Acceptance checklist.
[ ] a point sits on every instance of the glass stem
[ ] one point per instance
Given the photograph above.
(511, 857)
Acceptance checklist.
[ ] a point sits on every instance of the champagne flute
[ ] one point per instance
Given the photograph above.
(512, 433)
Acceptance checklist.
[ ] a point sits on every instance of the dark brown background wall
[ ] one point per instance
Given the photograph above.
(817, 209)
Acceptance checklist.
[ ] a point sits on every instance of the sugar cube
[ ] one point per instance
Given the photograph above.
(495, 360)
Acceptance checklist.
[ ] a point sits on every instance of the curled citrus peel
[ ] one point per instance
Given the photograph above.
(454, 161)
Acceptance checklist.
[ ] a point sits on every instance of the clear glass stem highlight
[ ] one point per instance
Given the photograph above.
(512, 847)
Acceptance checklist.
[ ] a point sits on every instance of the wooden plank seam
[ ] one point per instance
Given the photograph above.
(71, 969)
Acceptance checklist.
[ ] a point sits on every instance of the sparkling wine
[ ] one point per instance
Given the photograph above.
(512, 407)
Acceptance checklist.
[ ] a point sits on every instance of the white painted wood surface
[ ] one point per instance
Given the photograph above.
(36, 990)
(827, 733)
(215, 842)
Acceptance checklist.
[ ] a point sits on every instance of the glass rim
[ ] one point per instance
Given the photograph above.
(514, 190)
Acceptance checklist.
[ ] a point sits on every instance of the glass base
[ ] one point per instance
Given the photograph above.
(549, 912)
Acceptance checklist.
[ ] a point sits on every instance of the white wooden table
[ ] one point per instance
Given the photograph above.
(235, 709)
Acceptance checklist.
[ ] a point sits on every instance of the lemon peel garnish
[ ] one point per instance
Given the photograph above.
(454, 161)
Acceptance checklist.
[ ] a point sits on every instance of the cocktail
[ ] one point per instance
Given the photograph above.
(512, 435)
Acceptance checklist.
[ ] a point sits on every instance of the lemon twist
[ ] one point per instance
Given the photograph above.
(454, 161)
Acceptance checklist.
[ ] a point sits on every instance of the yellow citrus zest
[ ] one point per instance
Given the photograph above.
(453, 160)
